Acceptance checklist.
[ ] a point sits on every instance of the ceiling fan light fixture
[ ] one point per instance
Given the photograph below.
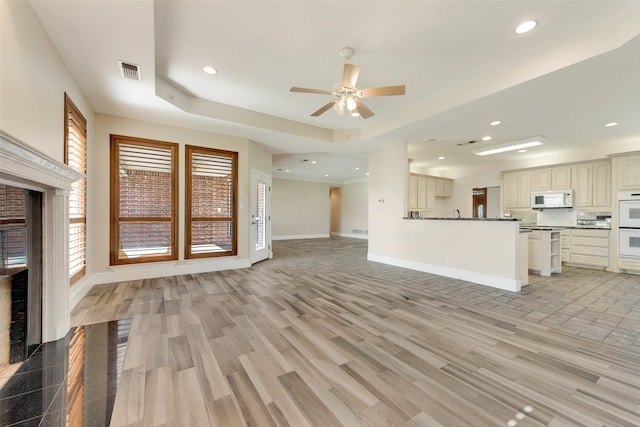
(350, 103)
(355, 113)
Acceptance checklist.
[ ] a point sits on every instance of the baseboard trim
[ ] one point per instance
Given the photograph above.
(513, 285)
(301, 236)
(351, 235)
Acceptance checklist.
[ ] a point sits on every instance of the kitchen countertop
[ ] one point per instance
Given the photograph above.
(563, 227)
(464, 219)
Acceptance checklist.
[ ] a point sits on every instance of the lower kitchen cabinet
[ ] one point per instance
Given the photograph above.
(589, 248)
(545, 252)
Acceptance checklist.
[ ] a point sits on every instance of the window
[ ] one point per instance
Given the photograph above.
(75, 156)
(211, 211)
(144, 194)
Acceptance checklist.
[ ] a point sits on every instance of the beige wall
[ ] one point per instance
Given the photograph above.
(354, 209)
(33, 80)
(260, 158)
(477, 251)
(98, 211)
(300, 209)
(336, 208)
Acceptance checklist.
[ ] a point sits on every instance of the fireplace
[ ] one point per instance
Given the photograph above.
(46, 183)
(21, 268)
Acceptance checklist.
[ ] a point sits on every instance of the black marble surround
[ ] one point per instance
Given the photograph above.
(72, 381)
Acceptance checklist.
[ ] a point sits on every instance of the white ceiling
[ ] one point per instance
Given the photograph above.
(461, 61)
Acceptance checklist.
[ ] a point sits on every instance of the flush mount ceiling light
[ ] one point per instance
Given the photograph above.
(611, 124)
(441, 158)
(495, 123)
(486, 138)
(518, 145)
(209, 70)
(525, 27)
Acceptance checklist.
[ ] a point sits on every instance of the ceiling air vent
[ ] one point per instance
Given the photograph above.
(129, 71)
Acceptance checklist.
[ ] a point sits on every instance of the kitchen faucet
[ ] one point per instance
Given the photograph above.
(456, 213)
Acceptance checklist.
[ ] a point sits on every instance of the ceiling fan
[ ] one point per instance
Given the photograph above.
(348, 95)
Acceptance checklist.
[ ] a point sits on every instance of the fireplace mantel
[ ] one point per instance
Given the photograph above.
(24, 166)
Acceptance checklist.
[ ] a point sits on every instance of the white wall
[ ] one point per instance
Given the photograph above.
(494, 208)
(300, 209)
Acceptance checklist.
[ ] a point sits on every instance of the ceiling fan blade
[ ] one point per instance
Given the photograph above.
(305, 90)
(364, 111)
(350, 75)
(323, 109)
(383, 91)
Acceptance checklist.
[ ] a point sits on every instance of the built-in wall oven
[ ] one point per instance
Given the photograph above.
(629, 223)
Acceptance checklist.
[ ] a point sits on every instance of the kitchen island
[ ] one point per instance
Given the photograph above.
(484, 251)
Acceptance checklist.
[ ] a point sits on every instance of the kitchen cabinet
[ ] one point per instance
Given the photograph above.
(545, 252)
(412, 192)
(561, 178)
(517, 189)
(557, 178)
(629, 172)
(602, 184)
(565, 245)
(541, 179)
(422, 192)
(431, 193)
(590, 248)
(423, 189)
(444, 187)
(592, 184)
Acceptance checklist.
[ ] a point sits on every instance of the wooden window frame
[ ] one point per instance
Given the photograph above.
(70, 109)
(114, 203)
(189, 220)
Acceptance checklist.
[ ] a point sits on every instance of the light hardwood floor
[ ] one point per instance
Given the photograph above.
(318, 336)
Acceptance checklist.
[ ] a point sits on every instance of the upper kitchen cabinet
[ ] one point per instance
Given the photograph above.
(412, 192)
(423, 190)
(629, 172)
(557, 178)
(517, 189)
(561, 178)
(592, 184)
(444, 187)
(541, 179)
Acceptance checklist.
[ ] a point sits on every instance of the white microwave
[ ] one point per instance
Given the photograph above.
(552, 199)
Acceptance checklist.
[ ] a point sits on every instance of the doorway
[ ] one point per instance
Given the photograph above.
(480, 202)
(260, 217)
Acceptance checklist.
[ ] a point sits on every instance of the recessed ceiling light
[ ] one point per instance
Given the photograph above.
(495, 123)
(209, 70)
(611, 124)
(357, 169)
(287, 170)
(313, 162)
(441, 158)
(522, 151)
(525, 27)
(326, 174)
(367, 173)
(486, 138)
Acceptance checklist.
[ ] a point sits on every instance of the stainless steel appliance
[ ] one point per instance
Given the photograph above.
(552, 199)
(629, 223)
